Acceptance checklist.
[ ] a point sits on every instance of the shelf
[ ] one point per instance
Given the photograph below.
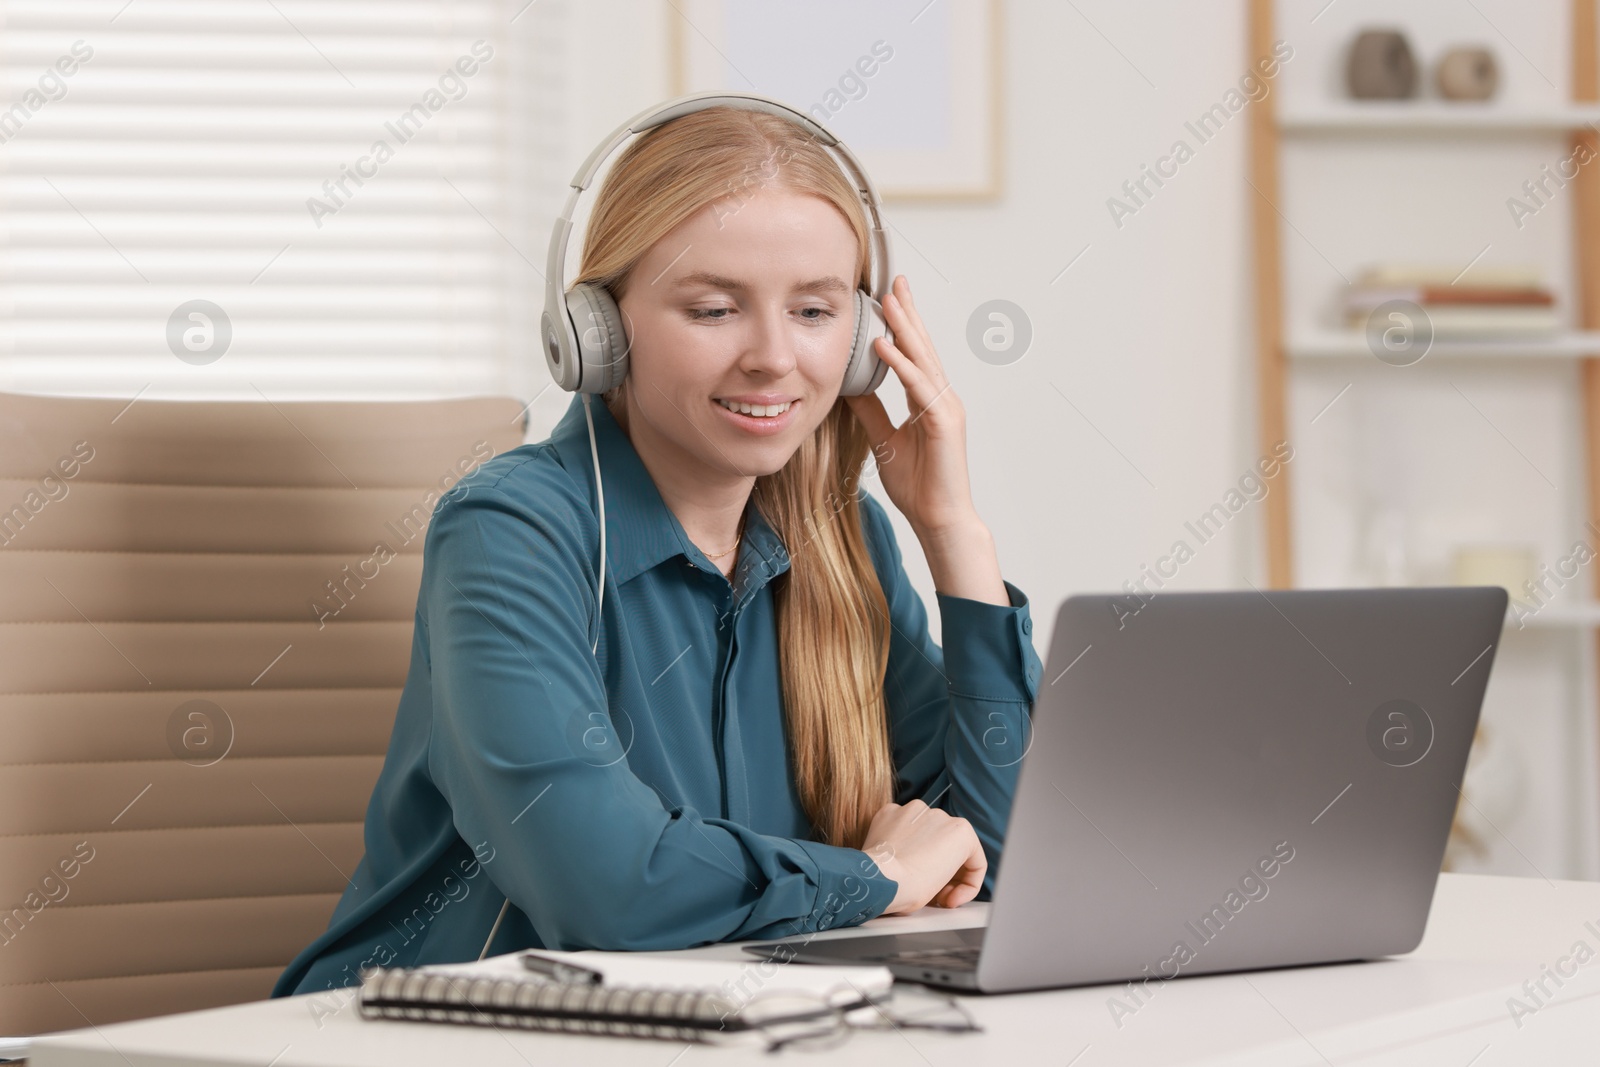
(1351, 344)
(1436, 117)
(1582, 614)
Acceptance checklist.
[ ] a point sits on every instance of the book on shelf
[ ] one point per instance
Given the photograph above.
(1407, 274)
(1496, 302)
(1370, 296)
(1466, 321)
(631, 995)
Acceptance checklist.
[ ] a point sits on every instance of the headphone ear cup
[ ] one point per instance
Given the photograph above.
(602, 341)
(865, 371)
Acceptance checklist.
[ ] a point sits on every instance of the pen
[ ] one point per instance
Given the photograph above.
(561, 971)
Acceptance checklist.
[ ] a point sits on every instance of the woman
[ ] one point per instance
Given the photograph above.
(747, 741)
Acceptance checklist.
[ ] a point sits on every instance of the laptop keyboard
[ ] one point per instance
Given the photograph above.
(956, 959)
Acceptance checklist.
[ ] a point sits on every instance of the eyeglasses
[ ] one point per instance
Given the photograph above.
(828, 1024)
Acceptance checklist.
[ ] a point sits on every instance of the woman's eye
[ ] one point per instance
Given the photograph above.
(718, 314)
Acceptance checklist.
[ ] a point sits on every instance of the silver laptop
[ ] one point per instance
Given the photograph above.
(1220, 782)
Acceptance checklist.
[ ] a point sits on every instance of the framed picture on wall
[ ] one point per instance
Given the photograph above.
(913, 86)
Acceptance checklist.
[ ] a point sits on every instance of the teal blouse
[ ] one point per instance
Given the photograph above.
(638, 796)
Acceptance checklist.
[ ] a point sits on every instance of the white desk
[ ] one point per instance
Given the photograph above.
(1446, 1003)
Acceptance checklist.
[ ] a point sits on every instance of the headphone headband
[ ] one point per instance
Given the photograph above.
(562, 343)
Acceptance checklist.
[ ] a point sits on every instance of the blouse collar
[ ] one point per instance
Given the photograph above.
(642, 531)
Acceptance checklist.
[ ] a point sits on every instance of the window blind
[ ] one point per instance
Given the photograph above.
(280, 198)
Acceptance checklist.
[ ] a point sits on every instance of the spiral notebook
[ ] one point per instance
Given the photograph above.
(640, 995)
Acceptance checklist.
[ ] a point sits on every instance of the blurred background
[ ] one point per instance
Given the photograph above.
(1157, 244)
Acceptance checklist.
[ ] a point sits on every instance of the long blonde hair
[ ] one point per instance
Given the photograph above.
(833, 631)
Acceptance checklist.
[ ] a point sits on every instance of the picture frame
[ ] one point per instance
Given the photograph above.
(912, 86)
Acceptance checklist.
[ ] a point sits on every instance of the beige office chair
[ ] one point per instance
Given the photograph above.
(205, 623)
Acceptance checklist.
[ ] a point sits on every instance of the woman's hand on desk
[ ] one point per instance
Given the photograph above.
(934, 856)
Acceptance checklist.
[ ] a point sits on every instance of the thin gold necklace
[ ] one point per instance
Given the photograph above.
(736, 540)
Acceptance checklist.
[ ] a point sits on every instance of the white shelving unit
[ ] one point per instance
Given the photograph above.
(1412, 117)
(1352, 344)
(1583, 614)
(1546, 717)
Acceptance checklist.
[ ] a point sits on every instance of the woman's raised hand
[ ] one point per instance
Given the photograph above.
(925, 473)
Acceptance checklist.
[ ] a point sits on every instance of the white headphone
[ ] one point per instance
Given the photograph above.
(594, 358)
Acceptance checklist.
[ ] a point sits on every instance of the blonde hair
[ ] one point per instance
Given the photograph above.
(833, 631)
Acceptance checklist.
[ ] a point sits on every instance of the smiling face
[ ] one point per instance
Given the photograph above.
(755, 312)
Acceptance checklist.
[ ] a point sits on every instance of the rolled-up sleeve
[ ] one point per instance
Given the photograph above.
(959, 715)
(521, 747)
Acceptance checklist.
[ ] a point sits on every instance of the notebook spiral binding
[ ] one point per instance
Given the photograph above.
(682, 1015)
